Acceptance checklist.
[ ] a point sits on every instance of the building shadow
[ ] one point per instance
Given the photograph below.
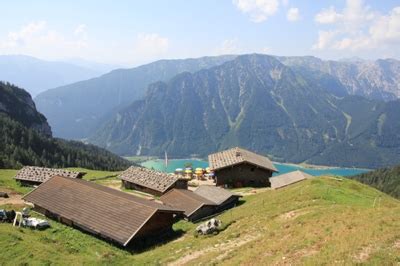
(142, 244)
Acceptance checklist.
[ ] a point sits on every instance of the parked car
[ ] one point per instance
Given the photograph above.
(35, 223)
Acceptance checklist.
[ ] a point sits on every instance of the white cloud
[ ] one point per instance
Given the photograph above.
(80, 29)
(358, 28)
(258, 10)
(81, 33)
(26, 33)
(230, 46)
(324, 39)
(328, 16)
(387, 28)
(38, 39)
(293, 14)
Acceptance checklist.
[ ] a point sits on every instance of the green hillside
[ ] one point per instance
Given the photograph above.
(319, 221)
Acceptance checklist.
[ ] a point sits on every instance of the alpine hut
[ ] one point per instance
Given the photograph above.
(238, 167)
(150, 181)
(33, 175)
(105, 212)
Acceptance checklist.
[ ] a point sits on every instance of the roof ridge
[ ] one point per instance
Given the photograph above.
(206, 201)
(108, 191)
(136, 174)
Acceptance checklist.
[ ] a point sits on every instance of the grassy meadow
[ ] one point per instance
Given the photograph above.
(318, 221)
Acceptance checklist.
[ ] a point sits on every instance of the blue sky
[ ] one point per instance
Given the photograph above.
(135, 32)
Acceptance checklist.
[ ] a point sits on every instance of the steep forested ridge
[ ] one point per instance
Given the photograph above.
(25, 139)
(385, 179)
(18, 104)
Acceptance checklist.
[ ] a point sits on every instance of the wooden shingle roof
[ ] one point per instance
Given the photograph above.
(288, 178)
(155, 180)
(111, 213)
(41, 174)
(215, 194)
(236, 156)
(185, 200)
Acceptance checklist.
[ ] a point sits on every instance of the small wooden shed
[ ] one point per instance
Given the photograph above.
(223, 198)
(288, 179)
(150, 181)
(105, 212)
(34, 175)
(238, 167)
(203, 202)
(195, 207)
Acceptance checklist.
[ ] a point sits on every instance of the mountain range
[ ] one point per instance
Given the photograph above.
(379, 79)
(295, 109)
(75, 110)
(257, 102)
(37, 75)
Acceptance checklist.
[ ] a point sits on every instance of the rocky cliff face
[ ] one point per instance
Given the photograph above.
(18, 104)
(259, 103)
(378, 79)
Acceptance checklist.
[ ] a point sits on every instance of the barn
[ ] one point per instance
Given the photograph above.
(287, 179)
(102, 211)
(238, 167)
(150, 181)
(33, 175)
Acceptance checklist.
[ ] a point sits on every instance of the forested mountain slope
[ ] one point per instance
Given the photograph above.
(385, 179)
(25, 139)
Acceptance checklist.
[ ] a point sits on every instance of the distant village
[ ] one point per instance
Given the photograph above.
(124, 218)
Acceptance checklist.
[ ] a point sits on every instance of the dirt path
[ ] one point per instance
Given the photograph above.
(13, 198)
(224, 249)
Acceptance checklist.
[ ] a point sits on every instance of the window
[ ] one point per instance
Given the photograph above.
(252, 169)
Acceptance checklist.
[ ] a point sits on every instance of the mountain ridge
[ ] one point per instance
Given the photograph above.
(37, 75)
(91, 100)
(259, 103)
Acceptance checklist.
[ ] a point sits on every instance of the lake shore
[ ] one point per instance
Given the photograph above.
(316, 170)
(143, 159)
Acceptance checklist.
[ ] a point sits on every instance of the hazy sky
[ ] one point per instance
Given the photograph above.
(135, 32)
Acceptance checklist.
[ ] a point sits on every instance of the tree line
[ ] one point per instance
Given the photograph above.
(21, 146)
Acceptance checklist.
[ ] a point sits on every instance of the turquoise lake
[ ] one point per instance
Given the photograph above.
(283, 168)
